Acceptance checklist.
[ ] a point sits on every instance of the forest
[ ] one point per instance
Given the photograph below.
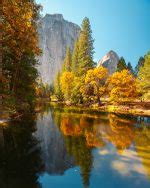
(80, 80)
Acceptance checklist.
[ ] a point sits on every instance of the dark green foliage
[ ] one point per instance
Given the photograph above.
(139, 65)
(68, 60)
(85, 57)
(130, 68)
(121, 64)
(75, 59)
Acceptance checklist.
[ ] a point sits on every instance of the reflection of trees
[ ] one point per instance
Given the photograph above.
(69, 128)
(76, 147)
(142, 144)
(121, 134)
(19, 156)
(93, 139)
(82, 133)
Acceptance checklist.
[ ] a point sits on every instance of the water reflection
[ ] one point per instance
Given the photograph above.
(65, 147)
(20, 161)
(54, 154)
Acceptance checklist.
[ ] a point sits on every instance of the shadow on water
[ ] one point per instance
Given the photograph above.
(58, 139)
(20, 161)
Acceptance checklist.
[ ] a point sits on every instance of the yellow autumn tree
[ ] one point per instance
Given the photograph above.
(67, 80)
(123, 86)
(94, 86)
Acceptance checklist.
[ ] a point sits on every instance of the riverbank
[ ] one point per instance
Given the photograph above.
(125, 109)
(131, 108)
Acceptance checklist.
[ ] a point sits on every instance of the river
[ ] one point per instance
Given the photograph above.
(73, 148)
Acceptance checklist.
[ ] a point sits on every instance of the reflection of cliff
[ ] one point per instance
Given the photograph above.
(53, 149)
(20, 160)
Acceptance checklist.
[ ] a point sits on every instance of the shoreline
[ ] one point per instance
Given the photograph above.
(136, 109)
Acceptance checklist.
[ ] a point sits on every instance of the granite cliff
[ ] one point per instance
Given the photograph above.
(55, 34)
(109, 61)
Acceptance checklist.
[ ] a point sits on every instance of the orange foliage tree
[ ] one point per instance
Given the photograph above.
(20, 45)
(123, 86)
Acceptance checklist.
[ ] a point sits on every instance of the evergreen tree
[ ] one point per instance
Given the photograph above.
(67, 60)
(75, 61)
(121, 64)
(139, 65)
(144, 77)
(130, 68)
(86, 52)
(19, 51)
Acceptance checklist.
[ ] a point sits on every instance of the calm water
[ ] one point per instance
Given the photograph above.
(64, 147)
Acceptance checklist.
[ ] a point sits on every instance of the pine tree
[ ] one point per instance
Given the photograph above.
(75, 61)
(139, 65)
(144, 77)
(130, 68)
(67, 60)
(85, 48)
(121, 64)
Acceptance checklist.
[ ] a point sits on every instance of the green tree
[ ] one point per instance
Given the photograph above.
(75, 60)
(19, 51)
(144, 78)
(67, 60)
(139, 65)
(85, 48)
(121, 64)
(130, 68)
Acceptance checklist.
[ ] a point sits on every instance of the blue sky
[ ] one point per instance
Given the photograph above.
(119, 25)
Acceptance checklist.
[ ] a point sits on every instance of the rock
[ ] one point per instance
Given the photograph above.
(109, 61)
(55, 34)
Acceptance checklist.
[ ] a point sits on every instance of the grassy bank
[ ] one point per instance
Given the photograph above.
(136, 109)
(132, 108)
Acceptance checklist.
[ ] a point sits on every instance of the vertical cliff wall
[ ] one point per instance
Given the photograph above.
(55, 34)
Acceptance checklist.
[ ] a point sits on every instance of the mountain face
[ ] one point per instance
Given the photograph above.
(109, 61)
(55, 34)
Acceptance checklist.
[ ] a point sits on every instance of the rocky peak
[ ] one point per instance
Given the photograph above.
(110, 61)
(58, 17)
(55, 34)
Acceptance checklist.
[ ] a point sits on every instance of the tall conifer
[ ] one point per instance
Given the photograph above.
(75, 60)
(85, 48)
(121, 64)
(67, 60)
